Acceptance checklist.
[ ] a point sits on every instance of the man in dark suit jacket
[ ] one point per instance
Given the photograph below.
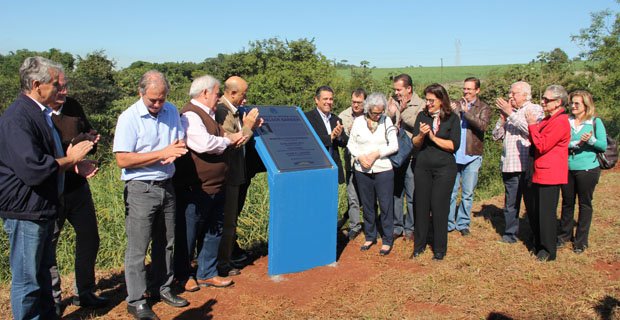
(321, 118)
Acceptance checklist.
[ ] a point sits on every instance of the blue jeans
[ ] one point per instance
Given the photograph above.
(150, 210)
(199, 226)
(404, 187)
(466, 179)
(30, 258)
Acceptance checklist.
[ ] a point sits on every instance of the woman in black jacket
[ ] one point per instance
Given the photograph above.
(437, 135)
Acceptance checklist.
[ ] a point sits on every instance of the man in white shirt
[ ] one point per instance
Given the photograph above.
(199, 185)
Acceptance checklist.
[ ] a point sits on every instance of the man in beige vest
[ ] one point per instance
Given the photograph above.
(235, 121)
(199, 184)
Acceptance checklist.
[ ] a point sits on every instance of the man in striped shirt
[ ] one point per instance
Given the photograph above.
(513, 128)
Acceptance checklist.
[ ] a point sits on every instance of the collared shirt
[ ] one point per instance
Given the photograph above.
(198, 138)
(327, 125)
(326, 120)
(59, 153)
(59, 111)
(140, 132)
(461, 156)
(516, 137)
(574, 144)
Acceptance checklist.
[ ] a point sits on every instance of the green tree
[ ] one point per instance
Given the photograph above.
(601, 41)
(282, 72)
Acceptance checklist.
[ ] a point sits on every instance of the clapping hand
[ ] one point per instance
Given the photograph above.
(585, 137)
(505, 107)
(530, 118)
(392, 106)
(337, 131)
(86, 168)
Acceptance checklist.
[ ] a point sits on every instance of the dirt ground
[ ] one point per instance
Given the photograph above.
(479, 278)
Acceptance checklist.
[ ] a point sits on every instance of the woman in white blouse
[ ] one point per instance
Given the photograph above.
(371, 141)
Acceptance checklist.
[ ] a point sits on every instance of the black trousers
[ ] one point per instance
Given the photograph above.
(235, 199)
(373, 187)
(581, 183)
(543, 218)
(433, 196)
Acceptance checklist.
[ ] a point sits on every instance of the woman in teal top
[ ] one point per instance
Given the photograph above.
(583, 169)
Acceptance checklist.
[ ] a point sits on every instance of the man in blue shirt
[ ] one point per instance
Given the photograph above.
(475, 118)
(149, 137)
(32, 163)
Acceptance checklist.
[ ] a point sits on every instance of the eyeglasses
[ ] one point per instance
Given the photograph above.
(375, 114)
(356, 102)
(547, 100)
(431, 101)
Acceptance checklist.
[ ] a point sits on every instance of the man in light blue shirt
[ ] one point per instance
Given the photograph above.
(475, 117)
(149, 137)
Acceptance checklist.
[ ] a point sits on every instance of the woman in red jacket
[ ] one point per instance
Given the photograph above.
(550, 138)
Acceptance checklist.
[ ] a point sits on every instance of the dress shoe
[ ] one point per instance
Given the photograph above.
(191, 285)
(229, 272)
(578, 250)
(438, 256)
(464, 233)
(173, 300)
(542, 255)
(408, 237)
(416, 254)
(384, 252)
(142, 312)
(353, 234)
(366, 247)
(505, 240)
(239, 256)
(218, 282)
(89, 299)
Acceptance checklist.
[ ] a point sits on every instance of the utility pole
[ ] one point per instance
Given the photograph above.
(441, 70)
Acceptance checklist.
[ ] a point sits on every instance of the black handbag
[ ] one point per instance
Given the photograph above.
(405, 145)
(608, 158)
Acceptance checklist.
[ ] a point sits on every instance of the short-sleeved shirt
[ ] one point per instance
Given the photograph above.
(140, 132)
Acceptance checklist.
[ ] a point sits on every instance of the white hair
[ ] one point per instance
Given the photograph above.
(201, 84)
(375, 99)
(525, 88)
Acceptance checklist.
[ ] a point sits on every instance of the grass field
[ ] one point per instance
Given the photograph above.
(428, 75)
(479, 279)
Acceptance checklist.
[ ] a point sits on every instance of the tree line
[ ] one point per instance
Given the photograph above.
(285, 72)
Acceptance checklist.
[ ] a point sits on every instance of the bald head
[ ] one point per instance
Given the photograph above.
(235, 89)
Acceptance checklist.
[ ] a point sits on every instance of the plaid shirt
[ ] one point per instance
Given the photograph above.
(516, 137)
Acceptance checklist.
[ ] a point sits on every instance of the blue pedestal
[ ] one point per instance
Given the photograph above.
(303, 213)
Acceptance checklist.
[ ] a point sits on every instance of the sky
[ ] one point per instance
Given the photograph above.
(387, 34)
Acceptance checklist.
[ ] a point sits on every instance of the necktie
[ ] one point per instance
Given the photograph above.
(59, 154)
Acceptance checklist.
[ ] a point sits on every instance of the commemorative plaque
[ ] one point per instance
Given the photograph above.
(303, 191)
(289, 140)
